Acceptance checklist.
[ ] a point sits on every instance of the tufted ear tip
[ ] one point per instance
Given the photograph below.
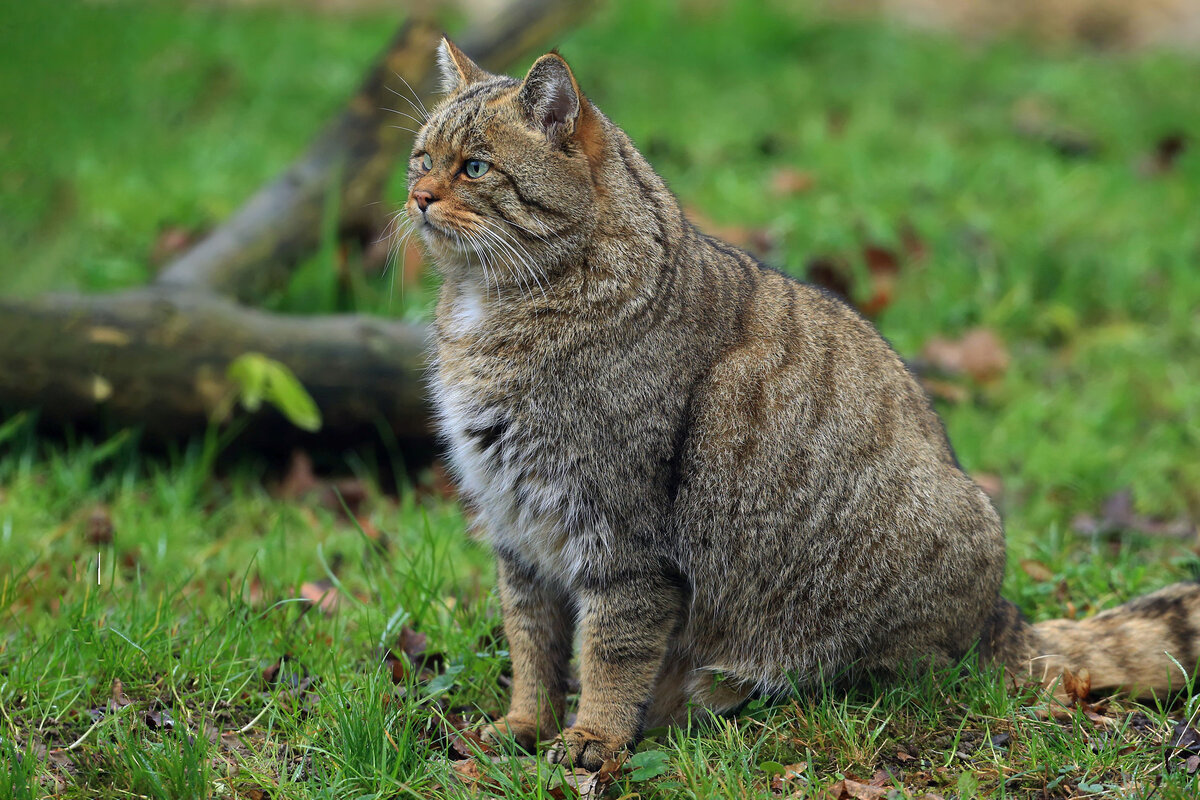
(458, 71)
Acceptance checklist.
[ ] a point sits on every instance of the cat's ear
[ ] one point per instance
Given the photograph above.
(551, 98)
(458, 71)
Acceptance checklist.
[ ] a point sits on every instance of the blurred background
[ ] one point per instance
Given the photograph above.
(1010, 190)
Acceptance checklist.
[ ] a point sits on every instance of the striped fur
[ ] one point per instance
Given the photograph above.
(723, 480)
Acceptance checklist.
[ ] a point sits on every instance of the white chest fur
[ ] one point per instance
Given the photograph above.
(517, 476)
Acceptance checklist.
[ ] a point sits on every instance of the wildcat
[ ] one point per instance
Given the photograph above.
(724, 479)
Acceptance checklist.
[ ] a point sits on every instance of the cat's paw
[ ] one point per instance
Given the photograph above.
(577, 747)
(526, 733)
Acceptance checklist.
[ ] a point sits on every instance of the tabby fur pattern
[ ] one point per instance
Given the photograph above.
(723, 481)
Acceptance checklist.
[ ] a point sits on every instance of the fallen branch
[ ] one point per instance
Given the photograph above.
(255, 250)
(157, 358)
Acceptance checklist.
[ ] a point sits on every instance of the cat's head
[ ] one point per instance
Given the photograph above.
(500, 183)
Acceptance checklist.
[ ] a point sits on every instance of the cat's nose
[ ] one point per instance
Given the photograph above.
(423, 199)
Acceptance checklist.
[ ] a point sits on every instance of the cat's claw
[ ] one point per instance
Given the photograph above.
(576, 747)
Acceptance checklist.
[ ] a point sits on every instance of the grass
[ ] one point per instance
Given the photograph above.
(122, 120)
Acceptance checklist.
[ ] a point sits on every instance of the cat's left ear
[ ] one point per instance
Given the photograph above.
(458, 71)
(551, 97)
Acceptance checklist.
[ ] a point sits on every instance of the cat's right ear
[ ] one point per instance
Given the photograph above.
(458, 71)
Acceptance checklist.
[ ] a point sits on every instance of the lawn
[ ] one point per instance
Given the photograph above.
(174, 631)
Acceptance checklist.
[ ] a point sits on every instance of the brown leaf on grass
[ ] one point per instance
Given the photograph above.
(299, 479)
(322, 594)
(341, 495)
(409, 654)
(345, 494)
(945, 390)
(991, 483)
(848, 789)
(466, 743)
(831, 273)
(1118, 516)
(412, 643)
(788, 181)
(883, 268)
(1036, 570)
(117, 698)
(1184, 748)
(157, 719)
(472, 776)
(1166, 152)
(98, 529)
(597, 785)
(757, 240)
(979, 353)
(914, 246)
(780, 782)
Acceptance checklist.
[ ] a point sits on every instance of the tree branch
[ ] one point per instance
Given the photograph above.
(255, 250)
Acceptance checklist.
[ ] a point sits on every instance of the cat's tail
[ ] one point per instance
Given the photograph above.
(1146, 647)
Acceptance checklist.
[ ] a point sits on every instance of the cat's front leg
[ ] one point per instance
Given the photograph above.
(539, 625)
(628, 619)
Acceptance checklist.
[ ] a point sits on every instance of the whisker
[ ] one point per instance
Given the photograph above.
(534, 267)
(509, 266)
(524, 258)
(421, 109)
(402, 113)
(529, 258)
(424, 110)
(401, 127)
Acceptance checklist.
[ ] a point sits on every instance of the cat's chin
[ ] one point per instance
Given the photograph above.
(443, 242)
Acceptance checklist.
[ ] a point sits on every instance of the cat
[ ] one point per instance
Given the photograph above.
(723, 479)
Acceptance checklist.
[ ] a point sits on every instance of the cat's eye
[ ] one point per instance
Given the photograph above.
(427, 162)
(476, 168)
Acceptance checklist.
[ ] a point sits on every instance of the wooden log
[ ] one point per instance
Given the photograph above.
(255, 250)
(157, 358)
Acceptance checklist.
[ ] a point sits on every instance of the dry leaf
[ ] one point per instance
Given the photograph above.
(1166, 152)
(883, 267)
(1185, 744)
(787, 181)
(322, 594)
(99, 527)
(853, 790)
(979, 354)
(1036, 570)
(832, 273)
(300, 477)
(118, 699)
(779, 783)
(992, 485)
(472, 776)
(1118, 516)
(756, 240)
(945, 390)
